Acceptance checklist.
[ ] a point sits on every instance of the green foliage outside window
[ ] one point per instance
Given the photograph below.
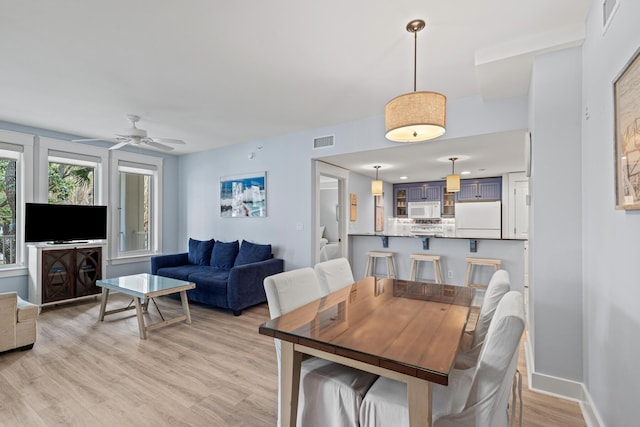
(7, 211)
(71, 184)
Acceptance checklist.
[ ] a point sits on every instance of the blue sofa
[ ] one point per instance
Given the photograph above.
(226, 274)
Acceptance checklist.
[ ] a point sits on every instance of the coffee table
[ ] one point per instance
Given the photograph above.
(145, 286)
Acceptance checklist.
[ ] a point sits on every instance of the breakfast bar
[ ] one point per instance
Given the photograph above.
(452, 250)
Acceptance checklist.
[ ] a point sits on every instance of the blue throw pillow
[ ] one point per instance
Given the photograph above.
(200, 251)
(224, 254)
(253, 252)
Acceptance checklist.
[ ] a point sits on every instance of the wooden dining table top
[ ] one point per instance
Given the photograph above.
(410, 327)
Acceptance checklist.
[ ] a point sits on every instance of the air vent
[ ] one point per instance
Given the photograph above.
(323, 142)
(609, 8)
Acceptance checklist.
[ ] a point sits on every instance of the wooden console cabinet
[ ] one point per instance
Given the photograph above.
(64, 272)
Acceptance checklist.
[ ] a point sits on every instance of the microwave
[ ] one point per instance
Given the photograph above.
(423, 210)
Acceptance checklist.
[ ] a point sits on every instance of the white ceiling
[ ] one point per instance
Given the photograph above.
(215, 73)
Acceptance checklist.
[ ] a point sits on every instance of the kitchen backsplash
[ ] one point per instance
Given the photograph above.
(443, 227)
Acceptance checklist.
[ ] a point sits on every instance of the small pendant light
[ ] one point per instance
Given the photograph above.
(453, 180)
(376, 186)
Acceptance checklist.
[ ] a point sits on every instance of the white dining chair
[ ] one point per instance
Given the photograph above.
(471, 342)
(333, 275)
(476, 396)
(330, 394)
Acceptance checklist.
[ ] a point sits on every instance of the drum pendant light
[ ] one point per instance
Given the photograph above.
(415, 116)
(453, 180)
(376, 186)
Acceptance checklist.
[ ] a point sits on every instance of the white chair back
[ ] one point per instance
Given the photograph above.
(488, 395)
(498, 286)
(471, 343)
(285, 292)
(290, 290)
(333, 275)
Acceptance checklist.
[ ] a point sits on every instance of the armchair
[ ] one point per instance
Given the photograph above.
(17, 322)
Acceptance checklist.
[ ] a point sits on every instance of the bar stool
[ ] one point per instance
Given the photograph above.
(416, 258)
(471, 262)
(372, 256)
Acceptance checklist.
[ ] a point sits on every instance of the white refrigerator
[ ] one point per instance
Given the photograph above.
(479, 219)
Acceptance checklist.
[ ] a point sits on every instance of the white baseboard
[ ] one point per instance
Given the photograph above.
(562, 388)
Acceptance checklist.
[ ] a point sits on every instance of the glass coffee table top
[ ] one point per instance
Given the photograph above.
(144, 285)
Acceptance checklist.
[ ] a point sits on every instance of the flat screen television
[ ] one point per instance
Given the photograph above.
(64, 223)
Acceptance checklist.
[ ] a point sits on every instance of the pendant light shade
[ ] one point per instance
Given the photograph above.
(415, 116)
(453, 180)
(376, 186)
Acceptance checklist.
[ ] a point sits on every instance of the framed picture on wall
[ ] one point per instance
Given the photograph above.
(379, 213)
(243, 196)
(626, 95)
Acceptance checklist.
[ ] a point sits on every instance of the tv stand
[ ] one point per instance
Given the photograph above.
(62, 272)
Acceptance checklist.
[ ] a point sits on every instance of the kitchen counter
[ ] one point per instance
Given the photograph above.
(452, 250)
(420, 236)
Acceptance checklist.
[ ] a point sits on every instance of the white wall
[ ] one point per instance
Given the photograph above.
(287, 161)
(555, 222)
(360, 185)
(610, 238)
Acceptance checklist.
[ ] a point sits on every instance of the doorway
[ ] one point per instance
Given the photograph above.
(330, 211)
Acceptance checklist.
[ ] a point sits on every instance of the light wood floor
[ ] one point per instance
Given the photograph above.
(216, 372)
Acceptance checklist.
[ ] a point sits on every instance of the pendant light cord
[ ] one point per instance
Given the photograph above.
(415, 58)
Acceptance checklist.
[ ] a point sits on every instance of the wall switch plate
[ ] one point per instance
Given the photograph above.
(450, 274)
(299, 226)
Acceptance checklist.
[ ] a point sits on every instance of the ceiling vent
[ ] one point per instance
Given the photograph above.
(609, 8)
(323, 142)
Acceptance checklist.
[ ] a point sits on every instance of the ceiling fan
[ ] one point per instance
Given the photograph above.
(136, 136)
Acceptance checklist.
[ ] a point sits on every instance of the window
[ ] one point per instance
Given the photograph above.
(71, 184)
(71, 173)
(135, 209)
(8, 205)
(136, 181)
(16, 157)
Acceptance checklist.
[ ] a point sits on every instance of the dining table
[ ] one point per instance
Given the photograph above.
(404, 330)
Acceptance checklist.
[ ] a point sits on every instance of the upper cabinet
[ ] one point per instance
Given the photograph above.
(425, 192)
(415, 192)
(481, 189)
(471, 190)
(400, 202)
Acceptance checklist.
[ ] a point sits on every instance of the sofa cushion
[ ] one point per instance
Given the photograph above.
(200, 251)
(224, 254)
(253, 252)
(214, 280)
(181, 272)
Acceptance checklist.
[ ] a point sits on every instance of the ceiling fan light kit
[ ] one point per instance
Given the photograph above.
(416, 116)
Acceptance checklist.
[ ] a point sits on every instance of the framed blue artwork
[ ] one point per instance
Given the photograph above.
(243, 196)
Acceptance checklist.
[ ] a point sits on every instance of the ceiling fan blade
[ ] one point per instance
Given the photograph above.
(92, 139)
(119, 145)
(169, 141)
(158, 145)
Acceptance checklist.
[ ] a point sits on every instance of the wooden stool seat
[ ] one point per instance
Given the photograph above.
(370, 269)
(416, 258)
(496, 263)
